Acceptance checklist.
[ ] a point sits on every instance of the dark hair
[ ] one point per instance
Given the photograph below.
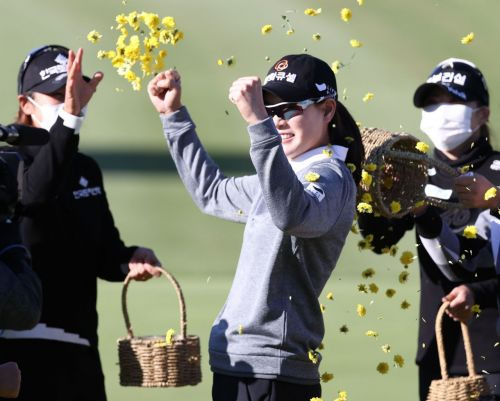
(344, 131)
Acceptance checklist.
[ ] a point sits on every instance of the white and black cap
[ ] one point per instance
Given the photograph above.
(299, 77)
(44, 70)
(461, 78)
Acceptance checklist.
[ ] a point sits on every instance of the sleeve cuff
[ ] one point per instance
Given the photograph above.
(263, 131)
(71, 121)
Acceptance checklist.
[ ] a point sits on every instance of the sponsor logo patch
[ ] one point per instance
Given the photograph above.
(316, 191)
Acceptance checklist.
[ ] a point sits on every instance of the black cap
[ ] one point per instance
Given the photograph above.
(299, 77)
(44, 70)
(461, 78)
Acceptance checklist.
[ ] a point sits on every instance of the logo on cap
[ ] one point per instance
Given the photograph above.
(59, 68)
(281, 65)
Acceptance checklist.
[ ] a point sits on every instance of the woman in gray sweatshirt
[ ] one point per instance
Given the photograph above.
(297, 212)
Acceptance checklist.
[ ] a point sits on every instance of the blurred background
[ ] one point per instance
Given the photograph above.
(402, 42)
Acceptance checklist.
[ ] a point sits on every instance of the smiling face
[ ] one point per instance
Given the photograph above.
(304, 131)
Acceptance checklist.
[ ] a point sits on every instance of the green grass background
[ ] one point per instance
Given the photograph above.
(402, 39)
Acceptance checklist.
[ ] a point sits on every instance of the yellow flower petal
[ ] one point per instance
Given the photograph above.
(368, 273)
(366, 178)
(403, 277)
(313, 356)
(312, 12)
(399, 360)
(366, 197)
(344, 329)
(290, 32)
(422, 147)
(371, 167)
(395, 207)
(345, 14)
(386, 348)
(329, 296)
(470, 232)
(364, 207)
(382, 368)
(371, 333)
(326, 377)
(94, 36)
(361, 310)
(266, 29)
(464, 169)
(368, 97)
(351, 167)
(169, 336)
(311, 176)
(336, 66)
(476, 308)
(355, 43)
(405, 304)
(406, 258)
(390, 293)
(316, 36)
(468, 38)
(373, 288)
(490, 193)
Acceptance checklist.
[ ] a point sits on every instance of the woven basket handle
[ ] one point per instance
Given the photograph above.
(434, 163)
(440, 344)
(180, 297)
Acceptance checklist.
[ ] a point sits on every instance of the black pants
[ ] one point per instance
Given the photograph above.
(55, 371)
(231, 388)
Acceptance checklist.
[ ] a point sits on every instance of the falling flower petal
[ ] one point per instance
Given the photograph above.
(344, 329)
(390, 292)
(316, 36)
(326, 377)
(368, 97)
(361, 310)
(386, 348)
(405, 304)
(468, 38)
(266, 29)
(368, 273)
(399, 360)
(383, 368)
(312, 12)
(406, 258)
(355, 43)
(490, 193)
(403, 277)
(329, 296)
(345, 14)
(470, 232)
(94, 36)
(336, 66)
(371, 333)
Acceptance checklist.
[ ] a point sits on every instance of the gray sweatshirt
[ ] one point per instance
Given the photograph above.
(295, 230)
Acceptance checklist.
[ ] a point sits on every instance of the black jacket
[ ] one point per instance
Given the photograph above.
(68, 227)
(434, 285)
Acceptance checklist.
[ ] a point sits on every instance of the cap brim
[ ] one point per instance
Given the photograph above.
(424, 90)
(53, 85)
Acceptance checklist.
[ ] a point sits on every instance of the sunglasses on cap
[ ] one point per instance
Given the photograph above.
(31, 56)
(288, 110)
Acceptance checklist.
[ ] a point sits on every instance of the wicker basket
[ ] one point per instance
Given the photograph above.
(149, 361)
(401, 173)
(467, 388)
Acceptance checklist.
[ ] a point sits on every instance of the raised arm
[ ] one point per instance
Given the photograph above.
(215, 194)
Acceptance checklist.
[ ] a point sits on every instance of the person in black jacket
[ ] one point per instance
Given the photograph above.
(455, 111)
(68, 227)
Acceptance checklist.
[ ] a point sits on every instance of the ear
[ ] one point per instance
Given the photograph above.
(484, 114)
(330, 105)
(25, 105)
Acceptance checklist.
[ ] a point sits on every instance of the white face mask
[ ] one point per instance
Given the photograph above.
(447, 125)
(50, 112)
